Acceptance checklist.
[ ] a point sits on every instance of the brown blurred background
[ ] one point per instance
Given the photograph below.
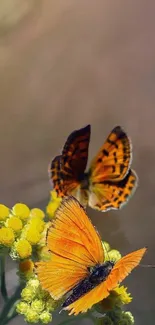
(64, 64)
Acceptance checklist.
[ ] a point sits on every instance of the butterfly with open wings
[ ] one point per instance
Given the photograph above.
(109, 182)
(77, 264)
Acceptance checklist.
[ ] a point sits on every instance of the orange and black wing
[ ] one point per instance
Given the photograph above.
(74, 244)
(120, 271)
(107, 195)
(66, 170)
(55, 175)
(111, 180)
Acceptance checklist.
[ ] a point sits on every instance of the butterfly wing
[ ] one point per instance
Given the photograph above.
(120, 271)
(67, 170)
(74, 244)
(111, 180)
(113, 159)
(107, 195)
(55, 175)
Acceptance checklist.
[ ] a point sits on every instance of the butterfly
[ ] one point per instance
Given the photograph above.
(77, 266)
(109, 182)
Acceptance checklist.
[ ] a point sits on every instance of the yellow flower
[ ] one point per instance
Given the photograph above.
(28, 294)
(33, 283)
(22, 307)
(127, 318)
(45, 317)
(21, 210)
(4, 212)
(15, 223)
(117, 297)
(32, 316)
(123, 295)
(37, 224)
(37, 305)
(53, 204)
(32, 235)
(114, 255)
(6, 236)
(26, 267)
(23, 248)
(37, 213)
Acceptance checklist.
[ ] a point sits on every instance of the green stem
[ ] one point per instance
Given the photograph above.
(8, 319)
(2, 278)
(5, 311)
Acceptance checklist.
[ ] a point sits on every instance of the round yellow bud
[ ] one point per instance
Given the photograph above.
(114, 255)
(32, 316)
(6, 236)
(28, 294)
(38, 305)
(45, 317)
(32, 235)
(22, 307)
(38, 213)
(21, 210)
(23, 248)
(127, 318)
(4, 212)
(33, 283)
(37, 224)
(15, 223)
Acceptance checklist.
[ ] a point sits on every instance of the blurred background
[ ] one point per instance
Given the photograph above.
(64, 64)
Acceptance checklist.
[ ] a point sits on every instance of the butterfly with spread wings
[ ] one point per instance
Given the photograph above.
(77, 264)
(109, 182)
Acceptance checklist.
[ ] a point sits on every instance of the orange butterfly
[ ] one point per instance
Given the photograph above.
(77, 263)
(109, 182)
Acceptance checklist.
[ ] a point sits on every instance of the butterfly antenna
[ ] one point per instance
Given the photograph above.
(148, 265)
(105, 249)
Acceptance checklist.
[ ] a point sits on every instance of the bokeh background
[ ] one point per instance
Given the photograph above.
(64, 64)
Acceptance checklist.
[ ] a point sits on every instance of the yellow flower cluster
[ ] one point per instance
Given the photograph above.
(116, 317)
(36, 304)
(21, 229)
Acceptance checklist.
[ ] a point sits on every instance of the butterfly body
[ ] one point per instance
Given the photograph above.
(109, 182)
(84, 181)
(97, 274)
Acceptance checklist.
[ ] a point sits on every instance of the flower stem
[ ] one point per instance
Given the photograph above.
(4, 318)
(2, 278)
